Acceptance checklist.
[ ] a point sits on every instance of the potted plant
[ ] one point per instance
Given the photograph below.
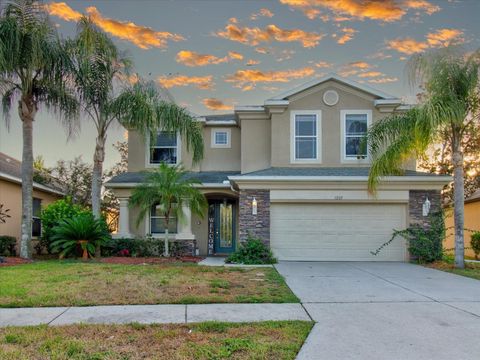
(82, 232)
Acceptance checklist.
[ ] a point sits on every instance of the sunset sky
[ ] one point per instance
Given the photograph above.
(213, 55)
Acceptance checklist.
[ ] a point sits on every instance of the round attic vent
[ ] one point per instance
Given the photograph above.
(330, 97)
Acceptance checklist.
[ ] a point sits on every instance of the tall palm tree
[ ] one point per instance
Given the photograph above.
(33, 70)
(168, 189)
(108, 95)
(450, 103)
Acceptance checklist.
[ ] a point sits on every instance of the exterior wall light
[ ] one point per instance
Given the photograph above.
(426, 207)
(254, 206)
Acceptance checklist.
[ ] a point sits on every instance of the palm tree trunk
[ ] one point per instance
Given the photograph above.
(458, 199)
(98, 158)
(166, 252)
(27, 110)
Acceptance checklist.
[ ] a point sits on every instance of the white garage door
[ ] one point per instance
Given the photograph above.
(337, 232)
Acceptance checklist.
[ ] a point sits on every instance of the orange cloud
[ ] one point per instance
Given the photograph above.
(369, 74)
(200, 82)
(252, 62)
(192, 58)
(254, 35)
(347, 35)
(383, 80)
(360, 65)
(216, 104)
(235, 55)
(246, 79)
(63, 11)
(261, 50)
(441, 37)
(354, 68)
(422, 5)
(262, 12)
(142, 36)
(386, 10)
(323, 64)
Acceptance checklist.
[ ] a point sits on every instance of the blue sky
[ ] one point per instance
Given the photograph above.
(213, 55)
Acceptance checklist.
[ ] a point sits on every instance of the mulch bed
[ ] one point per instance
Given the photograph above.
(150, 260)
(11, 261)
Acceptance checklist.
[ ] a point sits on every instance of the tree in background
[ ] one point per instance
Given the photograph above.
(33, 69)
(168, 189)
(439, 160)
(450, 106)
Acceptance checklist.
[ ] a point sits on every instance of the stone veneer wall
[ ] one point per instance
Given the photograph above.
(257, 225)
(415, 205)
(187, 247)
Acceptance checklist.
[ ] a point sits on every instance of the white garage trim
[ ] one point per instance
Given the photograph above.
(337, 232)
(338, 196)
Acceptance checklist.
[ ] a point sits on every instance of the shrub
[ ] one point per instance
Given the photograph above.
(425, 244)
(7, 245)
(141, 247)
(53, 215)
(82, 231)
(475, 243)
(253, 251)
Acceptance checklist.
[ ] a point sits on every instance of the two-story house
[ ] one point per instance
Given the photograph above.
(293, 172)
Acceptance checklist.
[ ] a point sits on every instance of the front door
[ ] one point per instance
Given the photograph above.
(221, 216)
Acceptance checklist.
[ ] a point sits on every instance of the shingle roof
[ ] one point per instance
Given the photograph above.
(215, 177)
(224, 117)
(474, 197)
(324, 171)
(13, 168)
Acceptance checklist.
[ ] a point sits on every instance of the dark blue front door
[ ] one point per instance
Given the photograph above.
(223, 215)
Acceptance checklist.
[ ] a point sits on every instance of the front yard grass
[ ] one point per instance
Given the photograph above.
(471, 270)
(72, 283)
(266, 340)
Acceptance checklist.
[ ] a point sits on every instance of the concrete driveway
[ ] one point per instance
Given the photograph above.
(368, 310)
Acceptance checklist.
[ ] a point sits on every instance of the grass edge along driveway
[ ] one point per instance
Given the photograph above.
(74, 283)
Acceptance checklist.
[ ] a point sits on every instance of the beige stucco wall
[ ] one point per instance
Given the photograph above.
(472, 222)
(11, 198)
(256, 144)
(215, 159)
(331, 151)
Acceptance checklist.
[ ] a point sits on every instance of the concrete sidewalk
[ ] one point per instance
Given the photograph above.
(147, 314)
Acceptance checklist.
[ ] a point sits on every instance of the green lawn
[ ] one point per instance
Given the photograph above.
(268, 340)
(471, 270)
(72, 283)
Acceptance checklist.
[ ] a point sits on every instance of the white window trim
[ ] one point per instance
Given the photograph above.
(318, 118)
(147, 152)
(148, 228)
(213, 136)
(343, 119)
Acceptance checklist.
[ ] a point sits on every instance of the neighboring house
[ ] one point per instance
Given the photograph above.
(293, 172)
(11, 198)
(472, 222)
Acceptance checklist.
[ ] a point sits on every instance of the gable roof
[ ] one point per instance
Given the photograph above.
(11, 170)
(332, 76)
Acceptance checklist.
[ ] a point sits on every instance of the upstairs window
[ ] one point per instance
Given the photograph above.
(354, 127)
(306, 134)
(165, 148)
(221, 138)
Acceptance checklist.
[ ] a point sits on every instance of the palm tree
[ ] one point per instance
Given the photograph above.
(450, 103)
(169, 189)
(108, 95)
(33, 70)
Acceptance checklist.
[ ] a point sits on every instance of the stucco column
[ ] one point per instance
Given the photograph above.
(185, 225)
(123, 220)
